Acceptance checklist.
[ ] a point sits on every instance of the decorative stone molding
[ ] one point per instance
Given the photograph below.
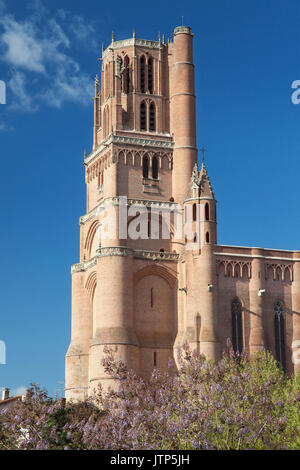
(183, 29)
(133, 141)
(279, 272)
(115, 201)
(131, 42)
(81, 267)
(99, 166)
(134, 157)
(114, 251)
(234, 268)
(141, 142)
(124, 251)
(156, 255)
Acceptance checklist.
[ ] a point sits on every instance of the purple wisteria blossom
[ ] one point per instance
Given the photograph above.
(239, 403)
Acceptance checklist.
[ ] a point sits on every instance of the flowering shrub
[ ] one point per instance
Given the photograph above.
(239, 403)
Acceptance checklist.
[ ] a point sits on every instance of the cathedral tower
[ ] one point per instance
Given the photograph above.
(151, 275)
(125, 291)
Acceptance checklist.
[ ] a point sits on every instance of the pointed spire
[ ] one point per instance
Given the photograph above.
(205, 185)
(163, 41)
(112, 36)
(134, 33)
(85, 154)
(159, 38)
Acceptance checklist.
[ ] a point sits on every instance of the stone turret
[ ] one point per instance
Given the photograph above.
(183, 111)
(200, 268)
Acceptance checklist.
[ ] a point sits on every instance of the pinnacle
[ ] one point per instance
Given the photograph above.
(205, 185)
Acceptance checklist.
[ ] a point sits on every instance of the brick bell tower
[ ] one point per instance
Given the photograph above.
(129, 292)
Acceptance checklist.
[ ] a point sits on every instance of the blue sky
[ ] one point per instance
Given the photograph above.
(247, 55)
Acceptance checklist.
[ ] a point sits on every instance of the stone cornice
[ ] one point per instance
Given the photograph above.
(115, 201)
(183, 30)
(131, 42)
(156, 255)
(76, 268)
(125, 251)
(132, 141)
(241, 255)
(258, 248)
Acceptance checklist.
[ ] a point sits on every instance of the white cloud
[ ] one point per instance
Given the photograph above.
(38, 51)
(77, 89)
(78, 27)
(18, 87)
(20, 45)
(82, 30)
(18, 391)
(37, 9)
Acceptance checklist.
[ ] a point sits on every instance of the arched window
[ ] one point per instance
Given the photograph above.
(126, 76)
(152, 123)
(279, 333)
(207, 211)
(143, 116)
(106, 122)
(237, 326)
(150, 75)
(142, 76)
(155, 168)
(145, 166)
(106, 81)
(207, 237)
(119, 64)
(194, 212)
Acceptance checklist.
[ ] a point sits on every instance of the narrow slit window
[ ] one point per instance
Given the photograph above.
(142, 84)
(152, 125)
(155, 168)
(207, 211)
(145, 166)
(126, 76)
(155, 359)
(150, 76)
(207, 237)
(152, 297)
(143, 117)
(194, 212)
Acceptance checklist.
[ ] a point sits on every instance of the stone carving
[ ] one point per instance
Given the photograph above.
(125, 251)
(135, 141)
(116, 201)
(279, 272)
(234, 268)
